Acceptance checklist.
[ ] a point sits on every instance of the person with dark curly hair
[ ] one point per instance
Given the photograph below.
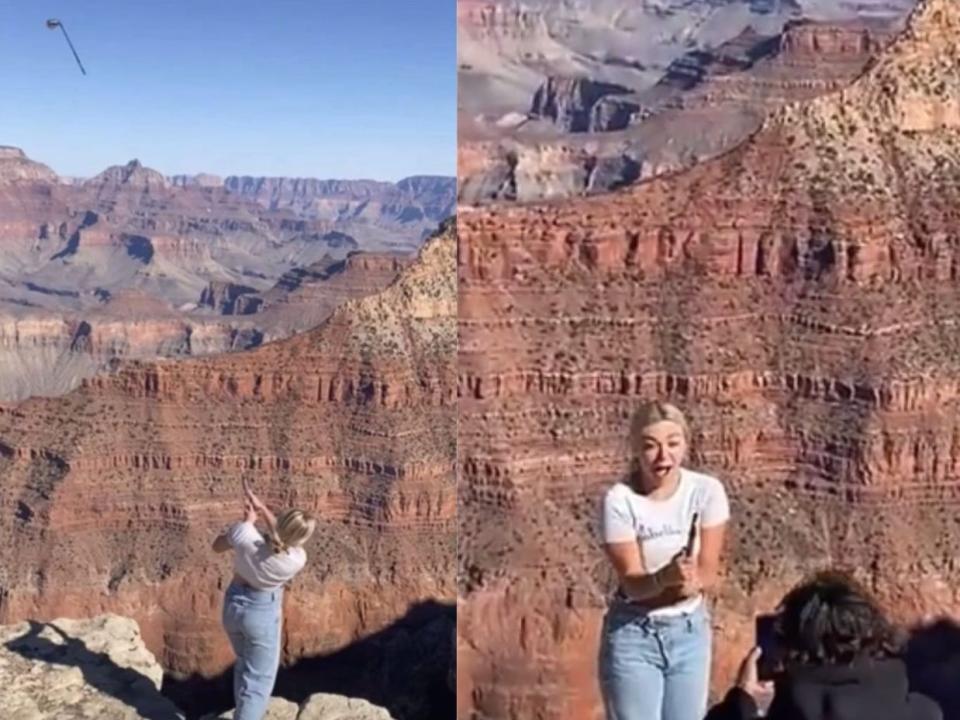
(834, 657)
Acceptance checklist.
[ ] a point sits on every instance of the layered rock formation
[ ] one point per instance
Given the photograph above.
(693, 81)
(112, 494)
(582, 105)
(797, 296)
(129, 253)
(15, 166)
(305, 297)
(421, 202)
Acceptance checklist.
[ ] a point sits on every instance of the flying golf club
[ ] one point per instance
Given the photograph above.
(53, 23)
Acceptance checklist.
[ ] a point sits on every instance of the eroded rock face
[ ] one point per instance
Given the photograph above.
(185, 261)
(230, 299)
(583, 105)
(113, 493)
(97, 668)
(797, 297)
(687, 87)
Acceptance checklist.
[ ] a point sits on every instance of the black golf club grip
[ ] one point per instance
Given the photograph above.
(692, 537)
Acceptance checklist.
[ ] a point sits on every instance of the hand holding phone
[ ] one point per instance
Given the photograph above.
(767, 643)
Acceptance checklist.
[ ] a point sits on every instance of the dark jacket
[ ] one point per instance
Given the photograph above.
(868, 690)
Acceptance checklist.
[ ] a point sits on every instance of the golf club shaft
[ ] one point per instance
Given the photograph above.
(72, 49)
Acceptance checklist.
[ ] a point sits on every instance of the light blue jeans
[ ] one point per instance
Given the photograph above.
(252, 620)
(655, 668)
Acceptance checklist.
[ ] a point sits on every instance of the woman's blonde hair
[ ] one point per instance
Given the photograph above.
(651, 413)
(294, 528)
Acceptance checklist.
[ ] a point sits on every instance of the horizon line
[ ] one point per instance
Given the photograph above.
(222, 176)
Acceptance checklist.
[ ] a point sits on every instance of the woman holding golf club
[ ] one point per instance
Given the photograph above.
(663, 530)
(252, 608)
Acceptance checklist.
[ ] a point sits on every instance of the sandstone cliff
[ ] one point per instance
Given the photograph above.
(113, 493)
(797, 295)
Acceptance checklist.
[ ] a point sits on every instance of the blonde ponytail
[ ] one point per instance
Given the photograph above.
(276, 544)
(294, 528)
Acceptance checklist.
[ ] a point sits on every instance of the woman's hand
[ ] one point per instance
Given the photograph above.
(249, 512)
(748, 680)
(682, 573)
(252, 499)
(259, 507)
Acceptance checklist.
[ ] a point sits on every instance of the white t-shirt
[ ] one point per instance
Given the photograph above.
(662, 527)
(255, 561)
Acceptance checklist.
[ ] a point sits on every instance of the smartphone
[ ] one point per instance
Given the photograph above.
(766, 640)
(692, 536)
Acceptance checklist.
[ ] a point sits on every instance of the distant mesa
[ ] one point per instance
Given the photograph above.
(203, 180)
(359, 200)
(16, 167)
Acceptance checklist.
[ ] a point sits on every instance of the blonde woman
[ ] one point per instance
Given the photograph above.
(663, 530)
(254, 600)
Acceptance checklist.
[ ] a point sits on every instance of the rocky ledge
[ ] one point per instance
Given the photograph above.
(97, 668)
(100, 668)
(321, 706)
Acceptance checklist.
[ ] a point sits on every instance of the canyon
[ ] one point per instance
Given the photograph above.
(131, 264)
(572, 99)
(113, 492)
(797, 296)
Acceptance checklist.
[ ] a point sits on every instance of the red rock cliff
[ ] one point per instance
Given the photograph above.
(111, 495)
(798, 296)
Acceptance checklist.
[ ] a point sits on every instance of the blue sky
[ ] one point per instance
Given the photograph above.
(322, 88)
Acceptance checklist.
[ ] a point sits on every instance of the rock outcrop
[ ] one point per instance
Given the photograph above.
(321, 706)
(132, 176)
(577, 104)
(99, 668)
(113, 493)
(305, 297)
(797, 295)
(96, 668)
(16, 167)
(230, 299)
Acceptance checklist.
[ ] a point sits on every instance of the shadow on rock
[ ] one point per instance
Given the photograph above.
(99, 672)
(406, 668)
(933, 661)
